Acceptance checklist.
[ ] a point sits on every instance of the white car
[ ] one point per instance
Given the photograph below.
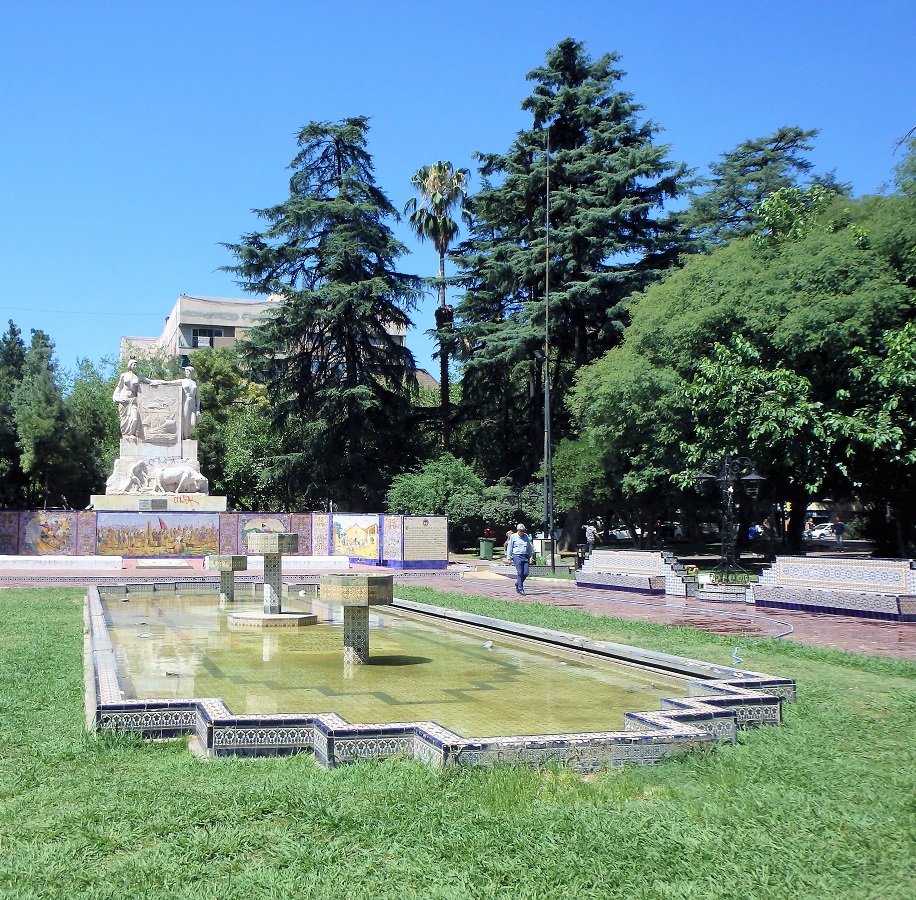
(622, 534)
(821, 533)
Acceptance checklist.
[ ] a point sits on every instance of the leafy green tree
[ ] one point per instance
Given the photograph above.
(93, 424)
(791, 212)
(448, 486)
(248, 439)
(745, 177)
(12, 362)
(442, 190)
(805, 309)
(879, 437)
(43, 432)
(224, 388)
(609, 235)
(632, 418)
(742, 407)
(337, 377)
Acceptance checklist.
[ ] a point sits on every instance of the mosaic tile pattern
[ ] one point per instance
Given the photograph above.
(888, 575)
(301, 524)
(356, 635)
(86, 542)
(79, 534)
(713, 711)
(321, 534)
(45, 532)
(646, 562)
(392, 538)
(9, 533)
(229, 534)
(644, 584)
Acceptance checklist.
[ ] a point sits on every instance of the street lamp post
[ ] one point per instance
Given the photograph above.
(548, 448)
(730, 471)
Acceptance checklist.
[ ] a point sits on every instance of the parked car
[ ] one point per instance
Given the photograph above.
(821, 532)
(621, 534)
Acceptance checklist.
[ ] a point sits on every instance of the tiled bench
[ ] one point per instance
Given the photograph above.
(868, 588)
(645, 571)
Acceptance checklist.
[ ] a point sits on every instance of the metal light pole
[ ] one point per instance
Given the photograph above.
(548, 448)
(731, 470)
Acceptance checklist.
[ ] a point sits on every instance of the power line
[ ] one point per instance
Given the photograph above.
(77, 312)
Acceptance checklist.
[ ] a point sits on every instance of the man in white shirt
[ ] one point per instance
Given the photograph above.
(518, 551)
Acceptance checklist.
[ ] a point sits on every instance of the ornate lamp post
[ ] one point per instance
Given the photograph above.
(731, 470)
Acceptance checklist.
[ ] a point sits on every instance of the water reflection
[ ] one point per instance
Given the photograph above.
(475, 683)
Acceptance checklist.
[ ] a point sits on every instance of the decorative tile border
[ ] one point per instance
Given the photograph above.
(721, 700)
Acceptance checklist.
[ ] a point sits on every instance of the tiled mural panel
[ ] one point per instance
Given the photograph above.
(47, 532)
(399, 540)
(9, 533)
(301, 524)
(86, 535)
(321, 534)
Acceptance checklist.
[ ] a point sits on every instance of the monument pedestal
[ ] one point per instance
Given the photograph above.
(157, 503)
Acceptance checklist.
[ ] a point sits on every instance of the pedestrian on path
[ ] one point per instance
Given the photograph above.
(591, 536)
(518, 551)
(839, 529)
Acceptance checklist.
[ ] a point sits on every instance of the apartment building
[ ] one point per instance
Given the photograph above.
(197, 322)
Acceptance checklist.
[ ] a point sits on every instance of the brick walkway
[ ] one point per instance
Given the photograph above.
(839, 632)
(821, 630)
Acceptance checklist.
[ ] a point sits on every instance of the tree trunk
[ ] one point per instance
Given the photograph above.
(444, 320)
(572, 531)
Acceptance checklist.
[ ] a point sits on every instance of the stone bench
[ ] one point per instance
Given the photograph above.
(868, 588)
(643, 571)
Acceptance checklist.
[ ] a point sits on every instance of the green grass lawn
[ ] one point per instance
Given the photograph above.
(822, 807)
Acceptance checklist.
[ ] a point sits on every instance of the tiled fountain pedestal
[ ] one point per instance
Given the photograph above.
(272, 545)
(227, 565)
(356, 593)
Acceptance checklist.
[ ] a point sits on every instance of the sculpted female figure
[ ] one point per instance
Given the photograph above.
(126, 396)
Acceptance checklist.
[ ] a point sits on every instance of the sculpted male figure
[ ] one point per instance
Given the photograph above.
(190, 400)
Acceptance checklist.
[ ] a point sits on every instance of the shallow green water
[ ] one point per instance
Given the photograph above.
(474, 683)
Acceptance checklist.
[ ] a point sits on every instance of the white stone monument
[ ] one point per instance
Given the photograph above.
(157, 468)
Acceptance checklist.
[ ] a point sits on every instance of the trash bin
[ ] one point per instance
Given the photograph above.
(486, 548)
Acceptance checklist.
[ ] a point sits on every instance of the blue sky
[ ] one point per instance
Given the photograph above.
(139, 135)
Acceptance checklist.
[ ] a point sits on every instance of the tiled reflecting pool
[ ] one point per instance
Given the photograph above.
(442, 686)
(476, 685)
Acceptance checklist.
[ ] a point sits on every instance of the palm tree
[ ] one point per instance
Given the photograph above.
(441, 189)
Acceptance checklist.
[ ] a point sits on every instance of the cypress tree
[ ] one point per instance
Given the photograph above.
(337, 374)
(609, 236)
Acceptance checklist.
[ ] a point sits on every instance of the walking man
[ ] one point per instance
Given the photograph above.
(839, 529)
(591, 536)
(518, 551)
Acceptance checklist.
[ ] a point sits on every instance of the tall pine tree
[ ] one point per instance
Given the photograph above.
(726, 207)
(609, 236)
(337, 375)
